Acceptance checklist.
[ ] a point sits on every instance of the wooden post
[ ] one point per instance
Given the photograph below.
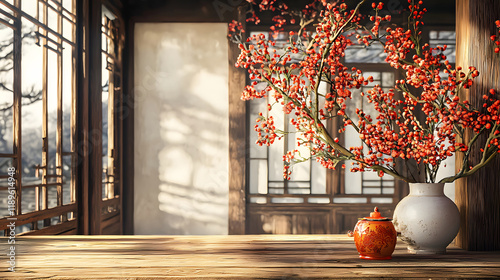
(237, 140)
(478, 196)
(95, 118)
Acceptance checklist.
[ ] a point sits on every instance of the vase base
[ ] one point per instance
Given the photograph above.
(426, 251)
(365, 257)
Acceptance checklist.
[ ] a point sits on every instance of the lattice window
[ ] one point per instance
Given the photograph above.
(444, 37)
(111, 100)
(37, 111)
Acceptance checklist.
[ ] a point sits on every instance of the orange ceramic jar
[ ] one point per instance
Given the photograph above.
(375, 237)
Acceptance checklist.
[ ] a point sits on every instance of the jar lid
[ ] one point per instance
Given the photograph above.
(376, 216)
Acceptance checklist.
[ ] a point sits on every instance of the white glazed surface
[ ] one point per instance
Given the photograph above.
(427, 219)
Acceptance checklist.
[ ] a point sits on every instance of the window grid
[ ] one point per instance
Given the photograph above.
(45, 177)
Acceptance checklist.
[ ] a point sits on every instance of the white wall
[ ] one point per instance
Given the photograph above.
(181, 128)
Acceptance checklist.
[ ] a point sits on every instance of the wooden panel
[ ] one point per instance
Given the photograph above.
(237, 140)
(111, 225)
(291, 219)
(232, 257)
(346, 216)
(477, 196)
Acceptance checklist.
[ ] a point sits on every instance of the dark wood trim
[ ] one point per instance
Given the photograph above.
(95, 118)
(237, 140)
(83, 47)
(128, 130)
(478, 196)
(110, 202)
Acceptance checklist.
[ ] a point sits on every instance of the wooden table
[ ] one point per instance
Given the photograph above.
(231, 257)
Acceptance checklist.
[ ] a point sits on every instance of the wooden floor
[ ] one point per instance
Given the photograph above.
(231, 257)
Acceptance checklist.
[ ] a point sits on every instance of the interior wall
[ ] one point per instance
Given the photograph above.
(181, 128)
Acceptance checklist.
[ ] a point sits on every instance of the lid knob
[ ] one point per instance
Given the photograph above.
(375, 213)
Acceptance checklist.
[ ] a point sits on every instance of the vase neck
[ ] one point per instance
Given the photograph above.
(427, 189)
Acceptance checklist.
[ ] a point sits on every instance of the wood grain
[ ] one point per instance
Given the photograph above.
(237, 138)
(477, 196)
(230, 257)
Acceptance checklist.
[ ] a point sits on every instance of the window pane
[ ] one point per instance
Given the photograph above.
(32, 111)
(299, 188)
(258, 176)
(381, 200)
(276, 150)
(256, 106)
(441, 38)
(287, 200)
(350, 200)
(318, 179)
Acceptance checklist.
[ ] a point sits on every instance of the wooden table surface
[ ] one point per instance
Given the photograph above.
(231, 257)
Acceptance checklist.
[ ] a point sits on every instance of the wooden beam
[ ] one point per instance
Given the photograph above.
(55, 229)
(477, 196)
(17, 117)
(95, 117)
(39, 215)
(83, 180)
(237, 139)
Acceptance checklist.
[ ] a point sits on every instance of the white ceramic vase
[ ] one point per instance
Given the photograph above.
(427, 219)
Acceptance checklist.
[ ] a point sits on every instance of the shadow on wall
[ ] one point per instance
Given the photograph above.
(181, 128)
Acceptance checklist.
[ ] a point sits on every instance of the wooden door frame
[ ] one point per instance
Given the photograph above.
(90, 116)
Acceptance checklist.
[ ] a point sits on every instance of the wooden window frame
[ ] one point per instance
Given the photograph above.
(42, 212)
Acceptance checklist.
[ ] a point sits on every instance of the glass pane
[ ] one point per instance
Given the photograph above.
(387, 190)
(287, 200)
(68, 5)
(322, 200)
(68, 192)
(301, 171)
(276, 150)
(387, 79)
(299, 188)
(4, 199)
(67, 29)
(276, 187)
(32, 111)
(441, 38)
(52, 91)
(52, 196)
(372, 191)
(67, 98)
(256, 106)
(258, 200)
(53, 18)
(381, 199)
(373, 54)
(350, 200)
(258, 176)
(105, 127)
(28, 200)
(29, 6)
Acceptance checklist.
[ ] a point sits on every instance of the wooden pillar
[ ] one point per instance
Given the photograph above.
(237, 139)
(478, 196)
(95, 118)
